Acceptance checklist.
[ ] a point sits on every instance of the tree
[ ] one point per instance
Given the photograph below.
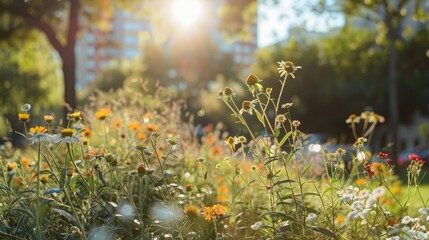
(390, 17)
(47, 17)
(60, 22)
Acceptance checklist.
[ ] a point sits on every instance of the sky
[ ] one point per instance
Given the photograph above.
(275, 21)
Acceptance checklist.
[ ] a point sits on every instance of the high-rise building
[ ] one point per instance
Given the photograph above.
(100, 47)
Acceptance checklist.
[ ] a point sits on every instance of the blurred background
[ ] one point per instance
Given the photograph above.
(355, 56)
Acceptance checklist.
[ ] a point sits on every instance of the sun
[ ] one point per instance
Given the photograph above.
(186, 12)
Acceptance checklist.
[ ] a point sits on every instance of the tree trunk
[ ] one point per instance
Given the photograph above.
(69, 67)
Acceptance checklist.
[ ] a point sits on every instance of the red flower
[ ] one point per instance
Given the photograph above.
(382, 155)
(413, 157)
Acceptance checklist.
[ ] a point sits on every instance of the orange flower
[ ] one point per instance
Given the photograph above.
(117, 123)
(221, 198)
(214, 212)
(222, 189)
(151, 127)
(360, 181)
(216, 150)
(102, 113)
(135, 126)
(88, 132)
(25, 161)
(141, 136)
(339, 220)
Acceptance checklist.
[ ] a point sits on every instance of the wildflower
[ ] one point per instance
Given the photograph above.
(151, 128)
(360, 181)
(216, 150)
(286, 68)
(247, 106)
(134, 126)
(74, 116)
(252, 80)
(214, 212)
(67, 136)
(26, 107)
(222, 189)
(11, 166)
(231, 141)
(141, 169)
(254, 167)
(339, 220)
(102, 113)
(281, 118)
(378, 118)
(172, 141)
(38, 133)
(311, 217)
(379, 192)
(189, 187)
(257, 225)
(286, 105)
(117, 123)
(424, 211)
(353, 119)
(406, 220)
(366, 115)
(241, 139)
(296, 123)
(49, 118)
(341, 152)
(413, 157)
(191, 211)
(44, 178)
(141, 136)
(24, 117)
(228, 91)
(382, 155)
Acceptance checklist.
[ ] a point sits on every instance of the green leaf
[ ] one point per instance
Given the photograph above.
(284, 181)
(276, 132)
(260, 118)
(285, 138)
(323, 231)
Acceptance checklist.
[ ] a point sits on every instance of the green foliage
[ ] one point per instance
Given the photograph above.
(28, 74)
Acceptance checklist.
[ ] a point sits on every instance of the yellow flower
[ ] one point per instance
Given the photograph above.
(24, 117)
(102, 113)
(191, 211)
(67, 132)
(49, 118)
(74, 116)
(44, 178)
(11, 166)
(37, 129)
